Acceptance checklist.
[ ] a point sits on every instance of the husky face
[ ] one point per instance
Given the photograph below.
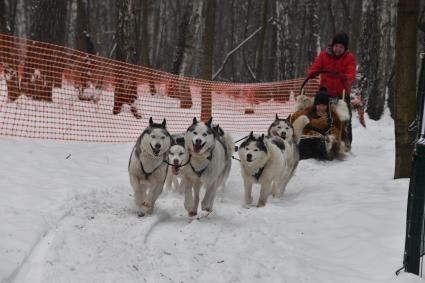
(155, 139)
(199, 137)
(281, 128)
(176, 156)
(253, 150)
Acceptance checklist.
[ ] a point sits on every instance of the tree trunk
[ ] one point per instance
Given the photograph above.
(261, 41)
(405, 85)
(368, 54)
(43, 72)
(314, 38)
(207, 69)
(355, 25)
(4, 24)
(126, 84)
(376, 102)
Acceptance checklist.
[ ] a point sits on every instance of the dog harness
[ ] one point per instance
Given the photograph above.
(259, 173)
(199, 173)
(148, 174)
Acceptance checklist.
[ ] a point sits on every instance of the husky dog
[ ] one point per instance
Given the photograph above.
(177, 158)
(289, 135)
(206, 167)
(147, 166)
(262, 162)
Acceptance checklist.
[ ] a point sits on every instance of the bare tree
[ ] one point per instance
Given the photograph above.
(126, 84)
(261, 42)
(43, 72)
(207, 69)
(368, 54)
(405, 84)
(355, 25)
(4, 24)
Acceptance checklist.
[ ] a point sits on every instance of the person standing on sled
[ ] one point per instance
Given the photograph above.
(324, 120)
(340, 67)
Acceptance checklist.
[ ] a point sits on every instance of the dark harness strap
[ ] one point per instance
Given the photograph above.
(259, 173)
(199, 173)
(148, 174)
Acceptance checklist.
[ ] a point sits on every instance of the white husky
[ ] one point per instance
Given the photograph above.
(207, 166)
(147, 167)
(262, 162)
(289, 134)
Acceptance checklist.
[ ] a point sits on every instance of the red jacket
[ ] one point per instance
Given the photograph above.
(345, 64)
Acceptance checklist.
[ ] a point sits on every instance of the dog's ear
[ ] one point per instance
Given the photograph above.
(251, 135)
(209, 122)
(277, 117)
(289, 117)
(164, 123)
(195, 121)
(150, 121)
(261, 139)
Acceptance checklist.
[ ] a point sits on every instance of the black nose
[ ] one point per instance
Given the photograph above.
(157, 146)
(198, 141)
(249, 157)
(176, 162)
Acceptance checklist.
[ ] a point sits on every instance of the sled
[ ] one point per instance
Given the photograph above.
(314, 146)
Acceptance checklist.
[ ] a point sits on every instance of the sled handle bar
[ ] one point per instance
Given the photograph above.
(335, 73)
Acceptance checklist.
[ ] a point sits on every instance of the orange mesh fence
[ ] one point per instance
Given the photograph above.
(54, 92)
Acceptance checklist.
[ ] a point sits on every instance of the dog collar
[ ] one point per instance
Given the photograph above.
(259, 173)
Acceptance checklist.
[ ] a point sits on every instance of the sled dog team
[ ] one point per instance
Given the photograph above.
(202, 157)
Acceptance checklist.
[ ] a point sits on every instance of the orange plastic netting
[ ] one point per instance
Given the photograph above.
(54, 92)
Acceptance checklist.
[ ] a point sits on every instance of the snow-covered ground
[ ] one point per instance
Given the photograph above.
(67, 215)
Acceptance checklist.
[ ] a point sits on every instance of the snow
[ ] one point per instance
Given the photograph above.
(67, 215)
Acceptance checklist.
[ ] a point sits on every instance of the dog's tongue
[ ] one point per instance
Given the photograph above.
(175, 170)
(197, 148)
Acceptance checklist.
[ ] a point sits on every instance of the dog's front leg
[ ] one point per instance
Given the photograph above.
(208, 201)
(188, 196)
(196, 189)
(248, 191)
(264, 194)
(153, 196)
(169, 180)
(139, 193)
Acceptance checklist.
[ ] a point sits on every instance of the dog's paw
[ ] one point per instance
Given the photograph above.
(207, 209)
(261, 204)
(248, 201)
(140, 214)
(192, 213)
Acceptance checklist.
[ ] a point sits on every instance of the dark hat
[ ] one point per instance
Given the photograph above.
(322, 96)
(341, 38)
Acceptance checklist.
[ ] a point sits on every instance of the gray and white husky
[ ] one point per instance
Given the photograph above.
(207, 165)
(147, 167)
(177, 158)
(289, 134)
(262, 162)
